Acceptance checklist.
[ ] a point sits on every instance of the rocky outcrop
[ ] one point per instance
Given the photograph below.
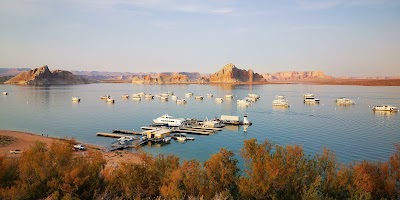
(231, 74)
(168, 78)
(43, 76)
(295, 76)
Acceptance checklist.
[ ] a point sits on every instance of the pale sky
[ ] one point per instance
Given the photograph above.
(339, 37)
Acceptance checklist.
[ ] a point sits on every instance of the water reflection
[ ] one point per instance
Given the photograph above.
(385, 114)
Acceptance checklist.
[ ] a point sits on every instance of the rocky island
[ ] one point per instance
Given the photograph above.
(231, 74)
(43, 76)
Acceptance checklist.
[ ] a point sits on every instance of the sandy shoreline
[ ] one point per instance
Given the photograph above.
(24, 140)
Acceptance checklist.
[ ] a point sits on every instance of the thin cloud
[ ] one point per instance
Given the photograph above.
(328, 4)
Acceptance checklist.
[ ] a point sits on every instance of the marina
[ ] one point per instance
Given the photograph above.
(313, 126)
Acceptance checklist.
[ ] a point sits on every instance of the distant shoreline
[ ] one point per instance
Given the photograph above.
(360, 82)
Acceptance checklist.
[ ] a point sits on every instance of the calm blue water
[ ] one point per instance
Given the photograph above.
(353, 132)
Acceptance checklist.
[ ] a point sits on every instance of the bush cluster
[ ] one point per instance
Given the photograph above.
(271, 172)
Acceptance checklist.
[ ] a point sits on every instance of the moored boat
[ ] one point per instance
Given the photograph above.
(209, 95)
(344, 101)
(254, 96)
(148, 96)
(75, 99)
(388, 108)
(169, 120)
(164, 98)
(125, 96)
(198, 97)
(229, 96)
(310, 98)
(5, 93)
(243, 102)
(136, 97)
(189, 94)
(280, 100)
(110, 100)
(219, 100)
(105, 97)
(181, 101)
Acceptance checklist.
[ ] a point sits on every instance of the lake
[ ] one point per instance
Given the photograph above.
(352, 132)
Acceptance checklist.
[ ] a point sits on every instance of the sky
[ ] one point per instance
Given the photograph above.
(339, 37)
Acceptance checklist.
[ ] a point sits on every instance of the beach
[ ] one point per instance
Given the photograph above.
(16, 140)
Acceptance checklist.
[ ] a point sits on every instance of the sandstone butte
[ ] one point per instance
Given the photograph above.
(167, 78)
(43, 76)
(295, 76)
(231, 74)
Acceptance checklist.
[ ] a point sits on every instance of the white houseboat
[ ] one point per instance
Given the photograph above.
(385, 108)
(344, 101)
(169, 120)
(280, 100)
(310, 98)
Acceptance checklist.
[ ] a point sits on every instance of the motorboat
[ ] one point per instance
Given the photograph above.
(280, 100)
(5, 93)
(173, 97)
(136, 97)
(388, 108)
(309, 98)
(169, 120)
(125, 139)
(110, 100)
(141, 94)
(209, 95)
(167, 139)
(189, 94)
(229, 96)
(75, 99)
(105, 97)
(198, 97)
(125, 96)
(344, 101)
(181, 101)
(219, 100)
(148, 96)
(243, 102)
(164, 98)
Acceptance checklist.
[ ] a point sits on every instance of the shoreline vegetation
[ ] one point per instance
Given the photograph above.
(49, 168)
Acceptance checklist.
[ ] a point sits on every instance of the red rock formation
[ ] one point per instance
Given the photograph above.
(231, 74)
(43, 76)
(295, 76)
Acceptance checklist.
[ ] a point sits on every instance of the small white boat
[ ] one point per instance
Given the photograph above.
(189, 94)
(105, 97)
(164, 98)
(167, 139)
(280, 100)
(389, 108)
(215, 123)
(344, 101)
(254, 96)
(173, 97)
(181, 138)
(110, 100)
(181, 101)
(136, 97)
(209, 95)
(75, 99)
(198, 97)
(219, 100)
(157, 96)
(141, 94)
(229, 96)
(5, 93)
(125, 96)
(165, 94)
(309, 98)
(243, 102)
(148, 96)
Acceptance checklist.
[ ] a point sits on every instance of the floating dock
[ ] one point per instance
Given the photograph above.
(192, 130)
(113, 135)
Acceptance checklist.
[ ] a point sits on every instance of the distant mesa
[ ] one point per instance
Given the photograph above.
(296, 76)
(168, 78)
(43, 76)
(231, 74)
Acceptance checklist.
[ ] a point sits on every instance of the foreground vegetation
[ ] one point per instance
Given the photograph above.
(272, 172)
